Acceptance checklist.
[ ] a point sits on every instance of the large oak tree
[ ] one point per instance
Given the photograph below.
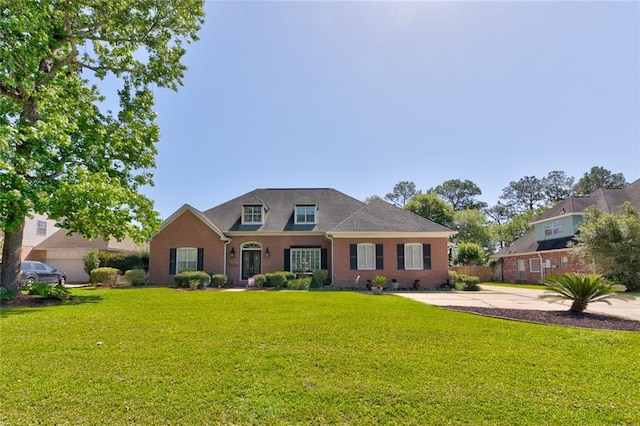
(61, 153)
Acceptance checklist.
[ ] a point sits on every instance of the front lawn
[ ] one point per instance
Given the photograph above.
(162, 356)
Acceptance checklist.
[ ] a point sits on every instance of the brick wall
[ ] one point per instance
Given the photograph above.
(185, 231)
(575, 265)
(343, 276)
(276, 246)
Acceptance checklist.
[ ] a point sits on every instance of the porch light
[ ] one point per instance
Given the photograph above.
(232, 254)
(266, 252)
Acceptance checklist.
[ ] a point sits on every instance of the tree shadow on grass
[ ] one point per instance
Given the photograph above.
(23, 303)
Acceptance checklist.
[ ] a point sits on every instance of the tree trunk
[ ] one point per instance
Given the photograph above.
(578, 306)
(11, 257)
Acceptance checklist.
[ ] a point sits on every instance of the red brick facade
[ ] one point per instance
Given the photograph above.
(573, 264)
(275, 244)
(188, 230)
(429, 279)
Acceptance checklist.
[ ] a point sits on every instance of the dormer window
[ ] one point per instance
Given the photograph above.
(553, 227)
(252, 214)
(305, 214)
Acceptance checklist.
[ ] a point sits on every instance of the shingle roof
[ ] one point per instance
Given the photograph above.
(608, 200)
(336, 212)
(528, 244)
(60, 240)
(380, 216)
(332, 208)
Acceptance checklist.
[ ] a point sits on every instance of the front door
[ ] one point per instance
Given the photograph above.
(250, 263)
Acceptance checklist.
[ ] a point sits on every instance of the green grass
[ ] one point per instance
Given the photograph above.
(529, 286)
(186, 357)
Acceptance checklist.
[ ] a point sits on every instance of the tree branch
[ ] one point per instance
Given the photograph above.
(101, 68)
(6, 91)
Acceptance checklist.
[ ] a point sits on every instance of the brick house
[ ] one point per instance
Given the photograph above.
(544, 250)
(268, 230)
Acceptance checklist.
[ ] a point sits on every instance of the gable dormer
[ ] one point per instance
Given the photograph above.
(253, 214)
(253, 211)
(305, 212)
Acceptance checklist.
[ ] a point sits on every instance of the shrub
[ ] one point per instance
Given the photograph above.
(469, 282)
(319, 278)
(47, 291)
(185, 278)
(105, 275)
(290, 276)
(229, 281)
(105, 258)
(6, 294)
(259, 279)
(300, 283)
(581, 288)
(128, 261)
(91, 261)
(219, 280)
(275, 280)
(136, 277)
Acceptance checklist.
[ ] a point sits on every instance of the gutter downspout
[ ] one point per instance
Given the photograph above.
(224, 257)
(330, 238)
(541, 269)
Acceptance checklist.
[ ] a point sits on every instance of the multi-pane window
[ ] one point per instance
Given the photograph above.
(186, 259)
(413, 256)
(565, 262)
(305, 258)
(366, 256)
(41, 227)
(553, 227)
(252, 214)
(534, 265)
(305, 214)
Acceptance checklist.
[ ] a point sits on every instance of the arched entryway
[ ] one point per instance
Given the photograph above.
(251, 255)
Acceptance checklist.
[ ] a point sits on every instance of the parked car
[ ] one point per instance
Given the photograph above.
(31, 272)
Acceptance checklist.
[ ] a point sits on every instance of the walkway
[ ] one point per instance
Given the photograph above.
(522, 298)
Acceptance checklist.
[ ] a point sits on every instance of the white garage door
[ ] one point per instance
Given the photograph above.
(73, 267)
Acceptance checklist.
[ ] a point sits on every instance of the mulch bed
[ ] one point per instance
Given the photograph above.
(30, 301)
(583, 320)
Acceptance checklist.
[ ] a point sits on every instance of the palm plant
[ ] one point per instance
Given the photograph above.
(581, 288)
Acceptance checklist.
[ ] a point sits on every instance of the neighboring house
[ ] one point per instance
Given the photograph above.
(66, 252)
(544, 250)
(269, 230)
(36, 229)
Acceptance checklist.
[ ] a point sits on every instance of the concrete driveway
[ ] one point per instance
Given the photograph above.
(522, 298)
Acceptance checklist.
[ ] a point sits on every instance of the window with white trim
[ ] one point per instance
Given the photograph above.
(367, 256)
(413, 256)
(41, 227)
(534, 265)
(186, 259)
(309, 255)
(252, 214)
(564, 262)
(553, 227)
(305, 214)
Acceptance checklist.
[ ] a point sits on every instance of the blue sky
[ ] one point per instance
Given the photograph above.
(358, 96)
